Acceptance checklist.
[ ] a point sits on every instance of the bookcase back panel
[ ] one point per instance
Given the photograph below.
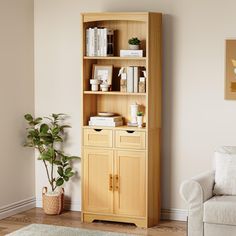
(123, 30)
(89, 107)
(120, 104)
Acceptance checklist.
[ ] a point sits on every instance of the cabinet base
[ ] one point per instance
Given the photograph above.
(90, 217)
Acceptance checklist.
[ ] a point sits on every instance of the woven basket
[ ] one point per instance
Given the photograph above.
(53, 205)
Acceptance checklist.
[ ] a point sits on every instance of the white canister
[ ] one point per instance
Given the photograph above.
(133, 112)
(140, 121)
(94, 84)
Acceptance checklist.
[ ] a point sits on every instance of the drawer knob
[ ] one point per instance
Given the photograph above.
(98, 130)
(130, 131)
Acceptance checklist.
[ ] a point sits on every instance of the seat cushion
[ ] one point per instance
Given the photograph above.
(220, 210)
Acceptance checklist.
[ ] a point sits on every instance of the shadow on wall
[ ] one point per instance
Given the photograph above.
(167, 107)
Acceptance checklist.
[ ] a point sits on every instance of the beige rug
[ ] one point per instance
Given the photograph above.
(52, 230)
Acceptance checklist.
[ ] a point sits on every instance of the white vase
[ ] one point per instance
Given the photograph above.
(133, 112)
(140, 121)
(94, 84)
(133, 47)
(104, 87)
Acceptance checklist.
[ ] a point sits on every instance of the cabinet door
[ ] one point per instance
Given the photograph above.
(129, 181)
(98, 180)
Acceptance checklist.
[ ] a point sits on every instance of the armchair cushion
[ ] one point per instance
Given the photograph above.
(225, 171)
(220, 210)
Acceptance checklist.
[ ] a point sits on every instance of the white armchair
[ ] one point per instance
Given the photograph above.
(208, 215)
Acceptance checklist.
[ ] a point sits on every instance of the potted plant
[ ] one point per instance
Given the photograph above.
(140, 119)
(45, 135)
(134, 43)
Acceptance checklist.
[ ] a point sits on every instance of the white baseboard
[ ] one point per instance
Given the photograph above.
(17, 207)
(69, 205)
(174, 214)
(166, 214)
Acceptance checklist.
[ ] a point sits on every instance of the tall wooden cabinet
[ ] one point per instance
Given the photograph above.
(121, 165)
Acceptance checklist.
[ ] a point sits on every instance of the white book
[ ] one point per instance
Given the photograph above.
(101, 118)
(130, 79)
(90, 42)
(131, 53)
(105, 42)
(98, 42)
(105, 123)
(87, 42)
(95, 41)
(135, 79)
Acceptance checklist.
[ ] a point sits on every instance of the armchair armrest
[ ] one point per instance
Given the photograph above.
(195, 192)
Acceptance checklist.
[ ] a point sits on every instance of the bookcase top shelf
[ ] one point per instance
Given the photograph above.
(118, 16)
(114, 58)
(114, 93)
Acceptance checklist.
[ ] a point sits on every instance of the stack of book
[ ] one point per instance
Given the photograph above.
(99, 42)
(106, 121)
(131, 53)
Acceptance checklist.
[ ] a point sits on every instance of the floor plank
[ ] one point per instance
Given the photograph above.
(72, 219)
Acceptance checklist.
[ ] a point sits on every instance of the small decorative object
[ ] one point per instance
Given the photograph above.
(134, 43)
(44, 134)
(94, 84)
(140, 119)
(133, 111)
(123, 80)
(104, 87)
(103, 73)
(106, 114)
(142, 85)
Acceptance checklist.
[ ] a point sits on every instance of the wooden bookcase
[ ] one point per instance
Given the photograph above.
(121, 165)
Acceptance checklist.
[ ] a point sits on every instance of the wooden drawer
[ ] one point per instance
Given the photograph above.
(130, 139)
(98, 137)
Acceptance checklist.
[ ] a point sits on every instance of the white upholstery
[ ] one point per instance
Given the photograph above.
(225, 171)
(208, 215)
(220, 210)
(195, 192)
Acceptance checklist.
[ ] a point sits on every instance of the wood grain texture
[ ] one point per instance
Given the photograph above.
(147, 27)
(72, 219)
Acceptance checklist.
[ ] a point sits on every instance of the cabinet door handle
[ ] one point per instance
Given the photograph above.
(110, 182)
(117, 181)
(98, 130)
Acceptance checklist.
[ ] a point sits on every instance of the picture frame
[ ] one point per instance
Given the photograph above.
(103, 73)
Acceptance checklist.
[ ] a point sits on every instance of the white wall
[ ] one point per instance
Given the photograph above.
(196, 118)
(17, 178)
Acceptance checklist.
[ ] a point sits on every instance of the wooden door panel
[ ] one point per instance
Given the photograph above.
(98, 168)
(130, 179)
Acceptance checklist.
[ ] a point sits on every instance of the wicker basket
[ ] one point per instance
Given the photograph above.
(53, 205)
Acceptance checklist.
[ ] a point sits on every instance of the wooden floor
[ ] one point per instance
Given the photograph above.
(72, 219)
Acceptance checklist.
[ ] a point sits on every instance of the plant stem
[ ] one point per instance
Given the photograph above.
(46, 167)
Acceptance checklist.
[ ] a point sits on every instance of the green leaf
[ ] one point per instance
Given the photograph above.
(66, 178)
(28, 117)
(72, 157)
(44, 128)
(59, 182)
(59, 163)
(68, 170)
(70, 174)
(60, 171)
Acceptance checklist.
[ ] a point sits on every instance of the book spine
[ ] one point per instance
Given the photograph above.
(131, 53)
(105, 42)
(95, 41)
(106, 119)
(92, 43)
(130, 79)
(135, 79)
(110, 42)
(108, 124)
(87, 42)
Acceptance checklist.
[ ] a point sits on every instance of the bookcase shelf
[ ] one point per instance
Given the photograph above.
(121, 165)
(115, 58)
(114, 93)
